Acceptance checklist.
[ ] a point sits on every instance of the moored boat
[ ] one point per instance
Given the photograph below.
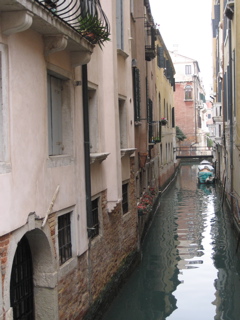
(206, 172)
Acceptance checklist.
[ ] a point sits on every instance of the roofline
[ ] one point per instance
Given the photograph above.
(165, 48)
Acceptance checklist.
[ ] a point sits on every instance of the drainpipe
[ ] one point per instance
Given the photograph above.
(195, 107)
(87, 149)
(230, 104)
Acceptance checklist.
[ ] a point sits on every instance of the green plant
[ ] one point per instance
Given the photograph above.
(209, 142)
(179, 134)
(93, 30)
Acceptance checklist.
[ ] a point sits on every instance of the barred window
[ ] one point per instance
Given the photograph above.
(64, 237)
(125, 198)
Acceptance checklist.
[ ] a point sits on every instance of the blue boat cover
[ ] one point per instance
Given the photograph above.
(204, 175)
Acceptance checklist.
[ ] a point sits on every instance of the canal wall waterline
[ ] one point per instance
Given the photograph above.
(99, 307)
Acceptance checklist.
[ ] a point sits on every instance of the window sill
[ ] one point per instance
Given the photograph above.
(122, 53)
(127, 152)
(67, 267)
(188, 100)
(59, 161)
(98, 157)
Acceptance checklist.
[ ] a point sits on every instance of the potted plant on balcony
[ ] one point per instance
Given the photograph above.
(163, 121)
(93, 30)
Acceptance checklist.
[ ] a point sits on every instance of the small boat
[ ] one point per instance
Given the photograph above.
(206, 172)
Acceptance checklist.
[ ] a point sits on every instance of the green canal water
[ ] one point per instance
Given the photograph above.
(190, 267)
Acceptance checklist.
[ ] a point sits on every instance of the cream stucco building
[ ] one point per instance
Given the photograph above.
(71, 140)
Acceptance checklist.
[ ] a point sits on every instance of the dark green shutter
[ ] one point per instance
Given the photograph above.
(137, 97)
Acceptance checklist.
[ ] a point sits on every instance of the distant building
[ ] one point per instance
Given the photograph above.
(189, 98)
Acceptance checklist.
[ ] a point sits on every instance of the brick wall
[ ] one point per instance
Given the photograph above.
(184, 113)
(4, 242)
(107, 252)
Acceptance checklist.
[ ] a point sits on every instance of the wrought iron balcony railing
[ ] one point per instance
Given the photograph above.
(84, 16)
(155, 132)
(150, 38)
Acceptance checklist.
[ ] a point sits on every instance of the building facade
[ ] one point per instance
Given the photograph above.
(225, 15)
(189, 98)
(80, 117)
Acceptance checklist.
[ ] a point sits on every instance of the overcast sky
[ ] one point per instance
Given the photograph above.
(187, 24)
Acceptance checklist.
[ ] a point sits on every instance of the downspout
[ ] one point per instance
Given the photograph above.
(231, 106)
(195, 108)
(87, 149)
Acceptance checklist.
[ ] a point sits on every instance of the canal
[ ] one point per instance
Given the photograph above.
(190, 267)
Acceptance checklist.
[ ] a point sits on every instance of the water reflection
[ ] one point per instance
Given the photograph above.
(190, 269)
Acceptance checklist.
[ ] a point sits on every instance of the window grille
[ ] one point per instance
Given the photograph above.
(95, 214)
(64, 237)
(21, 286)
(125, 198)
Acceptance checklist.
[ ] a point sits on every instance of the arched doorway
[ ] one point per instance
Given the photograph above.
(21, 285)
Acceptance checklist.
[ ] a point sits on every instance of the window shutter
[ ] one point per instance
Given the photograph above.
(55, 115)
(150, 120)
(160, 56)
(137, 97)
(119, 20)
(173, 118)
(168, 72)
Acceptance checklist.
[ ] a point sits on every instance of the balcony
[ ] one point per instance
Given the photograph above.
(62, 22)
(150, 52)
(155, 132)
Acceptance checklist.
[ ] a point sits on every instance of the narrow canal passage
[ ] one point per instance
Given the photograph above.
(190, 268)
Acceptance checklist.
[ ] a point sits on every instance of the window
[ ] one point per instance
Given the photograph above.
(173, 117)
(136, 93)
(93, 121)
(4, 114)
(55, 115)
(123, 124)
(119, 19)
(161, 62)
(21, 286)
(95, 214)
(64, 237)
(125, 198)
(59, 116)
(188, 69)
(209, 116)
(188, 93)
(150, 120)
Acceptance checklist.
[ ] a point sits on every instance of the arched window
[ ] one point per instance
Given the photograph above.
(188, 92)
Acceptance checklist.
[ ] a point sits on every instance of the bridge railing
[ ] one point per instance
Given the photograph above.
(191, 152)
